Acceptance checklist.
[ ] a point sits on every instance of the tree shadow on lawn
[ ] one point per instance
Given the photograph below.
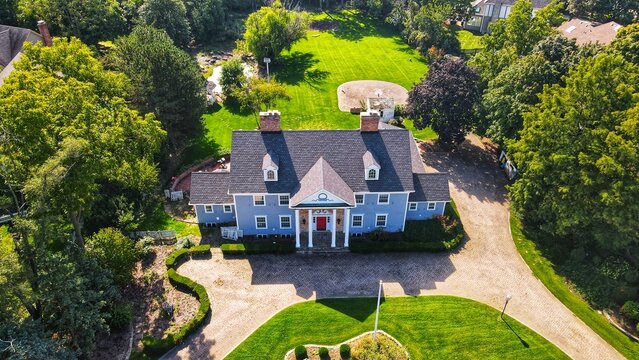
(297, 67)
(354, 26)
(359, 309)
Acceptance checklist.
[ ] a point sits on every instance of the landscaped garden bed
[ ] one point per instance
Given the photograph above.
(363, 347)
(442, 233)
(259, 246)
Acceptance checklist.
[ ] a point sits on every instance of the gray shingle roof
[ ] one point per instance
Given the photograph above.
(299, 150)
(210, 188)
(322, 177)
(430, 187)
(12, 40)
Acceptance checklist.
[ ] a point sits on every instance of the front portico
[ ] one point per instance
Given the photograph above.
(313, 225)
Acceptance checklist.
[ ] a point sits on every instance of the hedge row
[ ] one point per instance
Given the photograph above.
(361, 245)
(258, 248)
(154, 348)
(175, 257)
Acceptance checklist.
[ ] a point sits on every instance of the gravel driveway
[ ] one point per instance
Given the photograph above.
(247, 292)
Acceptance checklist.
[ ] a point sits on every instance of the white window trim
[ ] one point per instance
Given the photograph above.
(256, 204)
(385, 220)
(265, 222)
(290, 222)
(275, 175)
(230, 208)
(410, 204)
(381, 203)
(353, 223)
(279, 199)
(206, 211)
(366, 174)
(363, 199)
(434, 203)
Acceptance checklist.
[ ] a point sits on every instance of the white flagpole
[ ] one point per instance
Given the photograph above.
(379, 298)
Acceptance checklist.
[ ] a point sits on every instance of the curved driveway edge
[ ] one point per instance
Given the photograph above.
(245, 293)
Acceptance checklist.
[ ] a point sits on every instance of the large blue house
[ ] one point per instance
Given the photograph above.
(314, 185)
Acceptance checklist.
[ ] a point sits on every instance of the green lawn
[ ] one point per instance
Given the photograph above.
(442, 327)
(469, 40)
(360, 49)
(544, 270)
(160, 220)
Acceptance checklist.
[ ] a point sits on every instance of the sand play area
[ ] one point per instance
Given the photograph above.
(350, 93)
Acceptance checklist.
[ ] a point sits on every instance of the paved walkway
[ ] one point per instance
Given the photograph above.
(246, 292)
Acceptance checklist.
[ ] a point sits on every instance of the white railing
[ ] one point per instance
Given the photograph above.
(231, 233)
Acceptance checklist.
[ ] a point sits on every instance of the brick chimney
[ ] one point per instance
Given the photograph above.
(270, 121)
(43, 28)
(369, 121)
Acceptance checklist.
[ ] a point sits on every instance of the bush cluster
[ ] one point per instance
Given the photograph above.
(345, 351)
(156, 347)
(258, 248)
(300, 352)
(631, 310)
(323, 353)
(120, 316)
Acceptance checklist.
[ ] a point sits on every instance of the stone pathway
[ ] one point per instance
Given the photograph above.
(246, 292)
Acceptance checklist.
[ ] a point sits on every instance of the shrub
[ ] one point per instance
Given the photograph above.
(184, 243)
(197, 251)
(261, 247)
(614, 267)
(113, 251)
(632, 276)
(120, 317)
(323, 353)
(630, 309)
(345, 351)
(624, 293)
(143, 247)
(300, 352)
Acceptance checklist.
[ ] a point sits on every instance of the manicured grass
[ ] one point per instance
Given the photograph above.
(360, 49)
(469, 40)
(160, 220)
(442, 327)
(544, 271)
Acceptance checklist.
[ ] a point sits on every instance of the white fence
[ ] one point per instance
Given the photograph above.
(231, 233)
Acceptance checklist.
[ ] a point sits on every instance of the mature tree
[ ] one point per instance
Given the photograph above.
(578, 155)
(66, 128)
(89, 20)
(206, 18)
(232, 79)
(445, 100)
(622, 11)
(165, 80)
(260, 94)
(515, 36)
(272, 29)
(8, 11)
(425, 29)
(113, 251)
(28, 339)
(169, 15)
(627, 43)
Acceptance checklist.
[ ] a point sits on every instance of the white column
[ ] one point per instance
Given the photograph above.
(347, 225)
(310, 228)
(297, 229)
(334, 229)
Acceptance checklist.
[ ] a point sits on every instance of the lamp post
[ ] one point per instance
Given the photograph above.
(268, 74)
(379, 298)
(508, 297)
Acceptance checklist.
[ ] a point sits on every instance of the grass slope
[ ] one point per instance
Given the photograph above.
(544, 271)
(360, 49)
(429, 327)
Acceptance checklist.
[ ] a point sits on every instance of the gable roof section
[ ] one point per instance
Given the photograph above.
(12, 40)
(430, 187)
(322, 177)
(584, 31)
(298, 150)
(269, 161)
(210, 188)
(369, 160)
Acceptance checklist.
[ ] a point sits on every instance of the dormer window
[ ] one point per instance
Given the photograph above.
(270, 167)
(371, 166)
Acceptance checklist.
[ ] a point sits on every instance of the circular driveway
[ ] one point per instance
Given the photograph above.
(245, 293)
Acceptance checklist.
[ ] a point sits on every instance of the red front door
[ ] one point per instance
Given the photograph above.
(321, 223)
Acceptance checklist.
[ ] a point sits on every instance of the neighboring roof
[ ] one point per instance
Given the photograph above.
(12, 40)
(430, 187)
(269, 161)
(369, 160)
(584, 31)
(377, 103)
(299, 150)
(210, 188)
(320, 177)
(536, 4)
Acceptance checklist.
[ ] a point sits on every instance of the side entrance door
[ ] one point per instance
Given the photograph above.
(320, 222)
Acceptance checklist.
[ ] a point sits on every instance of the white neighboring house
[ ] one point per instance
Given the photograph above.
(385, 107)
